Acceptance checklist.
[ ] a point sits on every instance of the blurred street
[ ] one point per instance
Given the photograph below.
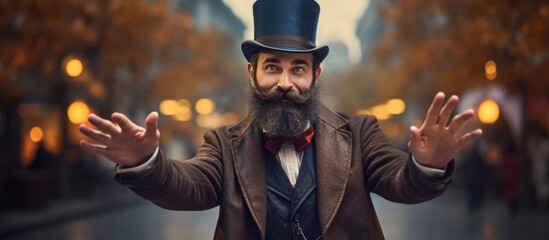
(443, 218)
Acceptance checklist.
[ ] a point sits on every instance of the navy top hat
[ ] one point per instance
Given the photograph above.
(287, 26)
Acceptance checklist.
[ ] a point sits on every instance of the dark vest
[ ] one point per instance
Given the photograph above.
(289, 209)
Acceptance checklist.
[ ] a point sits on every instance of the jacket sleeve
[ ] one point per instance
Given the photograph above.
(193, 184)
(391, 173)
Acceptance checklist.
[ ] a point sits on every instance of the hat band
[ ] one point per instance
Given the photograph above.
(286, 40)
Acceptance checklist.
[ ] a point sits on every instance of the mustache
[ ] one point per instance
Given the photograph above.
(278, 95)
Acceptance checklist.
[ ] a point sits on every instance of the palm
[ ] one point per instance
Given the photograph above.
(435, 143)
(127, 144)
(126, 147)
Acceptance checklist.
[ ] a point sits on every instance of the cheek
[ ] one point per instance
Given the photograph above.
(266, 82)
(303, 85)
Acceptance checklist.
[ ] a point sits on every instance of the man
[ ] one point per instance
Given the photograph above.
(292, 169)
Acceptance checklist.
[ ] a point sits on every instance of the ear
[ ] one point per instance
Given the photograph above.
(251, 73)
(318, 73)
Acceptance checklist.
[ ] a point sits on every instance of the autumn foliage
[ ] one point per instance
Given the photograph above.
(143, 48)
(444, 44)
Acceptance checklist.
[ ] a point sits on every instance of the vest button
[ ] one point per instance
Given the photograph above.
(298, 232)
(296, 218)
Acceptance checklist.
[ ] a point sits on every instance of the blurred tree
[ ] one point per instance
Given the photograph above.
(134, 48)
(443, 45)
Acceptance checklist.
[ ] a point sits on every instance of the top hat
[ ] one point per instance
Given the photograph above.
(286, 26)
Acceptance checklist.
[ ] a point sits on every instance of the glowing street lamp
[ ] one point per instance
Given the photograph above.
(74, 67)
(205, 106)
(395, 106)
(490, 70)
(488, 111)
(36, 134)
(380, 111)
(78, 112)
(168, 107)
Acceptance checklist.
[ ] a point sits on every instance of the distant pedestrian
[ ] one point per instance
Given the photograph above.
(475, 168)
(509, 175)
(538, 151)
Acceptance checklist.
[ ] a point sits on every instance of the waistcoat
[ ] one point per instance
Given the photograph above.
(292, 212)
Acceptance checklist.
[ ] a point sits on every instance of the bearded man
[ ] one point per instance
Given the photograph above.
(292, 168)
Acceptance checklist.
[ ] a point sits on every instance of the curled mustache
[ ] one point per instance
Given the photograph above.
(279, 94)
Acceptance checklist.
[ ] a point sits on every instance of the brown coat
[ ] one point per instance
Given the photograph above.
(353, 158)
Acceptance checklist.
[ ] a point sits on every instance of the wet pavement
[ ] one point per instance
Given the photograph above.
(443, 218)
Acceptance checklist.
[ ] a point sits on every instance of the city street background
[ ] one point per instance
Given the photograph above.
(61, 60)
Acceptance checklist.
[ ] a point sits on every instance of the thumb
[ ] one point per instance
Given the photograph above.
(151, 125)
(415, 137)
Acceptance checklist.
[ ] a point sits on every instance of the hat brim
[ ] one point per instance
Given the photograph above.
(249, 47)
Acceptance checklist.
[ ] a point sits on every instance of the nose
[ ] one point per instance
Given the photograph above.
(284, 82)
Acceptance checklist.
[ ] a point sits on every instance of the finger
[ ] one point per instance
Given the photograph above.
(434, 109)
(459, 120)
(447, 110)
(94, 148)
(103, 124)
(469, 137)
(124, 122)
(151, 125)
(95, 135)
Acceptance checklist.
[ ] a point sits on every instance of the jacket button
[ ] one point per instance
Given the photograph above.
(298, 232)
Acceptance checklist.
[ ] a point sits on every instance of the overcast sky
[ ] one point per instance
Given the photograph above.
(338, 19)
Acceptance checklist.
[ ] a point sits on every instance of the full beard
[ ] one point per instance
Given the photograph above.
(286, 119)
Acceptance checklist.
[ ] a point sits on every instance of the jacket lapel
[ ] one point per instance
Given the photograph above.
(249, 163)
(333, 163)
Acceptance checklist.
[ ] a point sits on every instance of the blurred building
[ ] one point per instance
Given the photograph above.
(370, 29)
(338, 59)
(213, 13)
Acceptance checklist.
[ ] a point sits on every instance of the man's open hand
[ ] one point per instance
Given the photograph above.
(438, 140)
(121, 140)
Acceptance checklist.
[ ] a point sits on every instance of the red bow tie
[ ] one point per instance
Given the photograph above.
(300, 143)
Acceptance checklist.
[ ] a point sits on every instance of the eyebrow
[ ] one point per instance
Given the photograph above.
(272, 60)
(277, 60)
(300, 61)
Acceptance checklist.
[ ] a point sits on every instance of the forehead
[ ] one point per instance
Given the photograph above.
(285, 56)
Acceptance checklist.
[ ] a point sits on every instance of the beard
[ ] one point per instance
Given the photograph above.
(284, 119)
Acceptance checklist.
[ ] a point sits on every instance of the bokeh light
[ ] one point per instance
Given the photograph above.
(380, 111)
(168, 107)
(205, 106)
(395, 106)
(74, 67)
(490, 70)
(488, 111)
(36, 134)
(78, 112)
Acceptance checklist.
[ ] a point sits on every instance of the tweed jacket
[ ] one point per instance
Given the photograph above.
(353, 159)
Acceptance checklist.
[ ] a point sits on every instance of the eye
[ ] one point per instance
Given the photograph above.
(299, 69)
(271, 68)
